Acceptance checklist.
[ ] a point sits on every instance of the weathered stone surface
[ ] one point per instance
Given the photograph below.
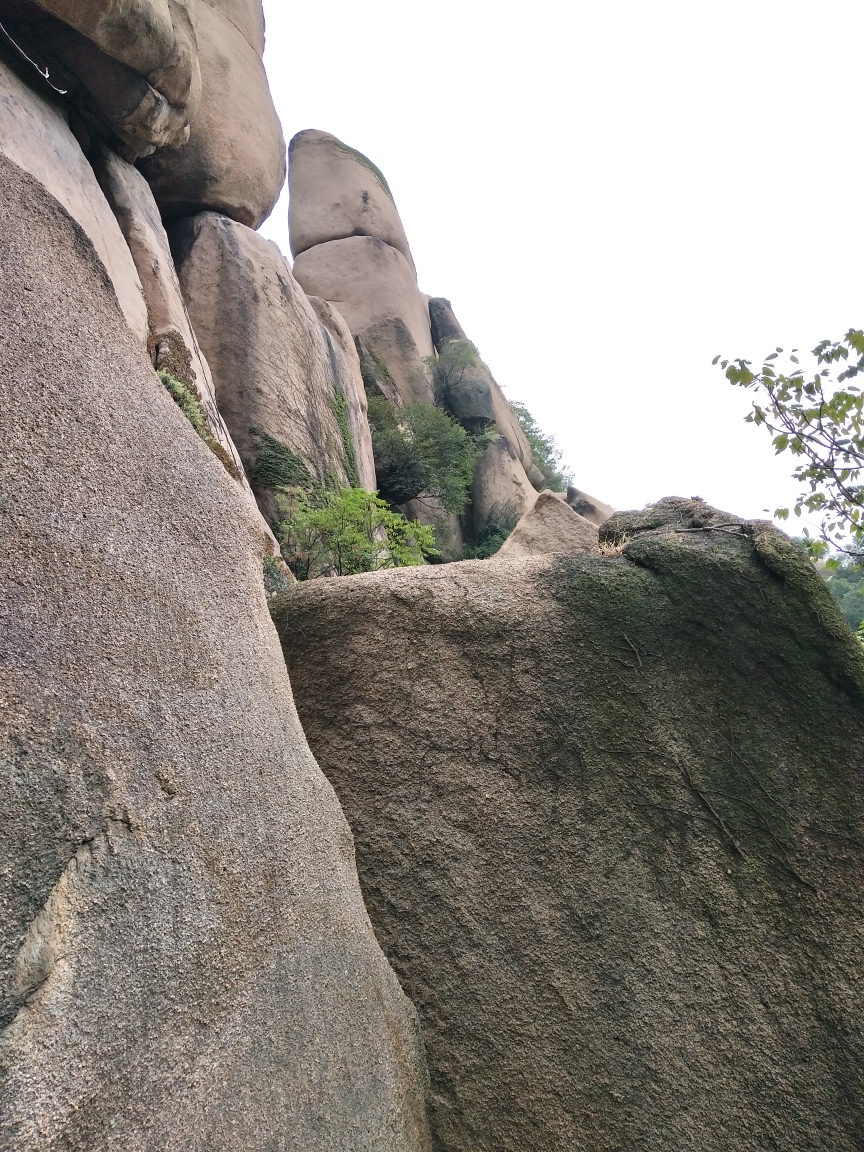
(608, 826)
(234, 162)
(139, 33)
(270, 358)
(345, 364)
(185, 959)
(247, 16)
(589, 506)
(500, 487)
(336, 192)
(35, 135)
(445, 327)
(132, 66)
(374, 287)
(550, 526)
(449, 537)
(172, 338)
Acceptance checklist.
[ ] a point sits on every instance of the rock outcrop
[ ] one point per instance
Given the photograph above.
(590, 507)
(234, 162)
(550, 526)
(500, 488)
(185, 959)
(350, 248)
(35, 135)
(375, 288)
(130, 66)
(171, 341)
(275, 367)
(336, 192)
(608, 824)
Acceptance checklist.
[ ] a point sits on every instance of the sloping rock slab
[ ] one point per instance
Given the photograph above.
(608, 814)
(185, 959)
(550, 526)
(35, 135)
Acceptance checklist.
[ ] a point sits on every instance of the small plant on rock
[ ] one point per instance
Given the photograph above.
(328, 532)
(189, 403)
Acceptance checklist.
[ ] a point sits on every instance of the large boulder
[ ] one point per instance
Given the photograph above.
(500, 489)
(234, 162)
(550, 526)
(35, 135)
(336, 192)
(608, 816)
(597, 511)
(272, 362)
(172, 341)
(374, 287)
(130, 65)
(185, 959)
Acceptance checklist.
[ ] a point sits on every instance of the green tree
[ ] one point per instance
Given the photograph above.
(544, 450)
(420, 451)
(818, 421)
(846, 584)
(341, 533)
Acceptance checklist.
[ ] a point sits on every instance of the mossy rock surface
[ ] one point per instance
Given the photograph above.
(608, 819)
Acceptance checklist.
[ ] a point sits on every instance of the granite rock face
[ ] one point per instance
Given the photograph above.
(590, 507)
(608, 824)
(185, 959)
(234, 162)
(345, 366)
(274, 366)
(172, 341)
(500, 487)
(35, 135)
(550, 526)
(374, 287)
(336, 192)
(131, 65)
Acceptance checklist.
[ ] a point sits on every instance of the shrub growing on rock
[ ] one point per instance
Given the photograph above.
(420, 451)
(340, 533)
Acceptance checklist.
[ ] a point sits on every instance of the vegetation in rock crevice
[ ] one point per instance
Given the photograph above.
(421, 452)
(189, 403)
(503, 519)
(276, 466)
(339, 408)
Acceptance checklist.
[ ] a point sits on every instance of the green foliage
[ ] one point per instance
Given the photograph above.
(820, 423)
(846, 584)
(420, 451)
(276, 466)
(340, 533)
(502, 521)
(339, 407)
(457, 362)
(543, 450)
(189, 404)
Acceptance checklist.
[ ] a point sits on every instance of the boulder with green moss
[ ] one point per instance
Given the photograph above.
(609, 818)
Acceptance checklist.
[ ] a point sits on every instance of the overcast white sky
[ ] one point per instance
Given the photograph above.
(609, 194)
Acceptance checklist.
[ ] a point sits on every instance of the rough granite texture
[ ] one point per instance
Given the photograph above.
(185, 959)
(35, 135)
(550, 526)
(270, 356)
(608, 816)
(234, 162)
